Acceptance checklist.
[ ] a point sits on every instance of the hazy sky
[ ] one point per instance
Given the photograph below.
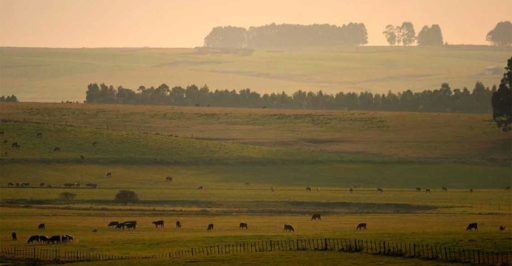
(184, 23)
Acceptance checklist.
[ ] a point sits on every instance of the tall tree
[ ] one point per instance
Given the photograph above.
(502, 100)
(501, 35)
(391, 34)
(407, 34)
(226, 37)
(430, 36)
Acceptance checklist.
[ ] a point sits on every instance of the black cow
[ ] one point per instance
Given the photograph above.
(41, 184)
(41, 226)
(113, 224)
(471, 190)
(159, 223)
(288, 228)
(316, 216)
(427, 190)
(109, 174)
(210, 227)
(130, 225)
(380, 190)
(472, 226)
(66, 238)
(43, 239)
(418, 189)
(502, 228)
(243, 226)
(39, 134)
(308, 189)
(361, 226)
(13, 236)
(445, 189)
(169, 179)
(178, 224)
(120, 226)
(94, 143)
(55, 239)
(32, 239)
(15, 145)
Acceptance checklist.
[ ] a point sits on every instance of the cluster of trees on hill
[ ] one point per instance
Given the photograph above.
(11, 98)
(405, 35)
(286, 35)
(502, 100)
(443, 99)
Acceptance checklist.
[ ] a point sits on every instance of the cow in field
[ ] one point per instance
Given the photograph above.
(418, 189)
(25, 184)
(55, 239)
(66, 238)
(56, 149)
(308, 189)
(159, 223)
(168, 179)
(445, 189)
(13, 236)
(243, 226)
(109, 174)
(10, 184)
(120, 226)
(113, 224)
(316, 216)
(472, 226)
(178, 224)
(94, 143)
(200, 187)
(210, 227)
(502, 228)
(41, 226)
(41, 184)
(32, 239)
(427, 190)
(15, 145)
(68, 185)
(471, 190)
(361, 226)
(130, 225)
(350, 190)
(288, 228)
(39, 134)
(380, 190)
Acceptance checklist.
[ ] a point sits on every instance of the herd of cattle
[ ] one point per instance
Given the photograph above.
(42, 185)
(160, 224)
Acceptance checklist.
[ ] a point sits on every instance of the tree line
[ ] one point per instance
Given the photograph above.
(287, 35)
(8, 98)
(444, 99)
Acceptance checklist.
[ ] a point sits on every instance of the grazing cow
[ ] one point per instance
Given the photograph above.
(361, 226)
(243, 226)
(350, 190)
(445, 189)
(41, 226)
(130, 225)
(502, 228)
(25, 184)
(49, 186)
(316, 216)
(200, 187)
(113, 224)
(109, 174)
(15, 145)
(41, 184)
(210, 227)
(418, 189)
(13, 236)
(17, 184)
(159, 223)
(66, 238)
(94, 143)
(120, 226)
(68, 185)
(380, 190)
(43, 239)
(168, 179)
(56, 149)
(10, 184)
(472, 226)
(32, 239)
(471, 190)
(91, 185)
(178, 224)
(288, 228)
(55, 239)
(427, 190)
(39, 134)
(94, 230)
(308, 189)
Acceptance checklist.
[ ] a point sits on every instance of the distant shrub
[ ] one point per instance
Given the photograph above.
(126, 196)
(67, 196)
(11, 98)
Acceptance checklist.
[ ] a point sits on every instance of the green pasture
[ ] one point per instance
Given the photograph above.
(53, 74)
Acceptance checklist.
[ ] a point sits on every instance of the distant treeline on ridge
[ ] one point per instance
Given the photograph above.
(443, 99)
(286, 35)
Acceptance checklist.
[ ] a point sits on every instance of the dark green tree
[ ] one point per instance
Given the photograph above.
(501, 35)
(126, 196)
(502, 100)
(430, 36)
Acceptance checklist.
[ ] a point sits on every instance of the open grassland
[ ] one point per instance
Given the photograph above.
(238, 156)
(48, 74)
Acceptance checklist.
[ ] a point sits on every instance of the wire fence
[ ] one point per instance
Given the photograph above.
(375, 247)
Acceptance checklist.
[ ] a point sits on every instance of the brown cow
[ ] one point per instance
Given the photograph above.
(243, 226)
(316, 216)
(210, 227)
(288, 228)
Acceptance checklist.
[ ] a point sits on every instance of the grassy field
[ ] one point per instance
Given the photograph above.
(48, 74)
(239, 156)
